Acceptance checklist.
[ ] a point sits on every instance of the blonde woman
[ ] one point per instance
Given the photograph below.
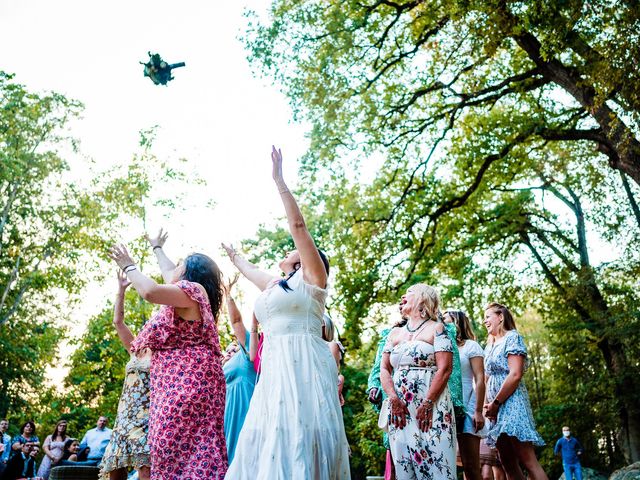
(512, 429)
(416, 364)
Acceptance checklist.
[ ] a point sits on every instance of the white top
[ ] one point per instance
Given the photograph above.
(469, 350)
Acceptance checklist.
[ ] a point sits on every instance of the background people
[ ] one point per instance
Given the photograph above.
(53, 448)
(571, 451)
(27, 435)
(96, 440)
(512, 428)
(5, 444)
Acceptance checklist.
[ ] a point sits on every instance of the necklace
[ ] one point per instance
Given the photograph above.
(416, 330)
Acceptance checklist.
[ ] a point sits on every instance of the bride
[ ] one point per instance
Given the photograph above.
(294, 427)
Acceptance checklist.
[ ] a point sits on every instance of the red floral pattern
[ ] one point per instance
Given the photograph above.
(186, 414)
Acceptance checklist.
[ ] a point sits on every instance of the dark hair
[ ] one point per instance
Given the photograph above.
(463, 326)
(201, 269)
(33, 427)
(508, 323)
(55, 431)
(65, 451)
(283, 283)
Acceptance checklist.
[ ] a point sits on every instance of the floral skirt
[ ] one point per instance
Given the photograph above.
(417, 454)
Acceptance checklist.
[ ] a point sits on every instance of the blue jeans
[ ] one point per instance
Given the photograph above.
(571, 469)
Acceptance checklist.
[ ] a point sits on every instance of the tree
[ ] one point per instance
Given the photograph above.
(486, 124)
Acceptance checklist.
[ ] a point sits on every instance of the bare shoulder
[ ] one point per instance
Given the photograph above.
(439, 328)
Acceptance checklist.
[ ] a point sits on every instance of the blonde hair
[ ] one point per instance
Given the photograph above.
(429, 301)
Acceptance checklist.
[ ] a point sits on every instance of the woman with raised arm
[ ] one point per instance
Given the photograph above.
(187, 382)
(128, 446)
(294, 427)
(239, 375)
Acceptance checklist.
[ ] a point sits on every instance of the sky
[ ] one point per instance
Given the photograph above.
(215, 113)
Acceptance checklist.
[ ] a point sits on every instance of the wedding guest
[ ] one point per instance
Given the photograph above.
(96, 440)
(471, 426)
(416, 364)
(187, 381)
(27, 436)
(53, 447)
(512, 429)
(5, 444)
(128, 447)
(294, 426)
(571, 450)
(239, 374)
(22, 465)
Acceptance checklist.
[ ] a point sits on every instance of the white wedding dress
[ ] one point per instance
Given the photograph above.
(294, 428)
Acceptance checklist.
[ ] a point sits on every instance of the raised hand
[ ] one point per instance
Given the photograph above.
(158, 240)
(231, 251)
(276, 160)
(228, 285)
(120, 255)
(123, 282)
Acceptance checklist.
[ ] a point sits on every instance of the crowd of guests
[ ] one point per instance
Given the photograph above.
(269, 407)
(19, 454)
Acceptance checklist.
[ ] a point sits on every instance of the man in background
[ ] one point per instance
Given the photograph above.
(96, 440)
(571, 450)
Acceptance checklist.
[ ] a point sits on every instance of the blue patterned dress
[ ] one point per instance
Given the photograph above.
(240, 377)
(514, 415)
(416, 454)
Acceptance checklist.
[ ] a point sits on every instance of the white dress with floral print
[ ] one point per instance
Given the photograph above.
(417, 454)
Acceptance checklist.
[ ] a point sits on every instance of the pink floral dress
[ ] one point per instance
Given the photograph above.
(186, 413)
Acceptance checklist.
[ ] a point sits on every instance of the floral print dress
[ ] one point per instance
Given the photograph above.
(514, 415)
(416, 454)
(186, 413)
(128, 445)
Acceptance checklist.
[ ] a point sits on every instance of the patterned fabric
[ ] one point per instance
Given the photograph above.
(294, 427)
(240, 377)
(416, 454)
(57, 449)
(186, 413)
(514, 415)
(374, 379)
(455, 379)
(21, 439)
(128, 445)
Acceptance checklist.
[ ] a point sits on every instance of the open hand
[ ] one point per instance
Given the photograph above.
(123, 281)
(231, 251)
(228, 285)
(158, 240)
(276, 159)
(120, 255)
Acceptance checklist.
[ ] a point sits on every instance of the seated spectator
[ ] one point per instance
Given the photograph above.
(22, 465)
(71, 454)
(27, 436)
(97, 440)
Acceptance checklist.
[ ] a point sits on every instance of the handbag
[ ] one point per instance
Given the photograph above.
(385, 412)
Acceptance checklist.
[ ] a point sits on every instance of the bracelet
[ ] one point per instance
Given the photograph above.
(233, 257)
(130, 269)
(254, 329)
(124, 269)
(286, 190)
(157, 246)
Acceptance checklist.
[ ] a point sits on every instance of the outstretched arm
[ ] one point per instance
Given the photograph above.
(148, 288)
(235, 317)
(256, 276)
(314, 270)
(166, 266)
(254, 339)
(125, 335)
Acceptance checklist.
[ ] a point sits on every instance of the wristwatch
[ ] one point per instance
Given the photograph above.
(429, 403)
(497, 402)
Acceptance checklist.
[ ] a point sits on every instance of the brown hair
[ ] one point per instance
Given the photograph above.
(508, 323)
(463, 325)
(54, 435)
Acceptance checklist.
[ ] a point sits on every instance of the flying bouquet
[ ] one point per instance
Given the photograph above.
(158, 70)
